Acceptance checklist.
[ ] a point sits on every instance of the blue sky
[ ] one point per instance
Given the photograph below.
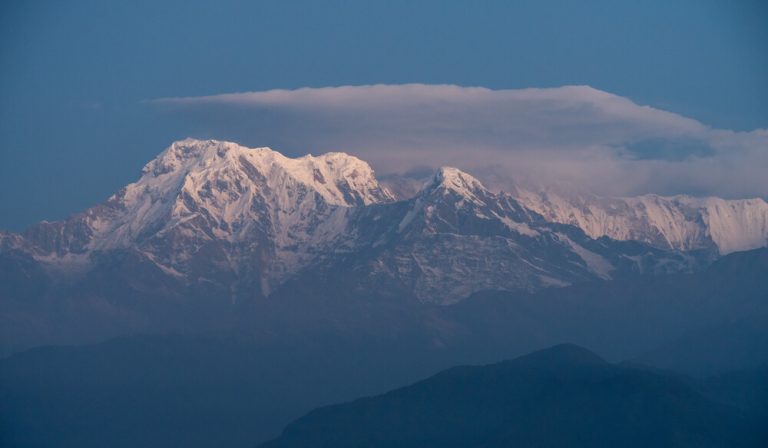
(76, 77)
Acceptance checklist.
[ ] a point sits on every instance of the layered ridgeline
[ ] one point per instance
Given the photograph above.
(223, 219)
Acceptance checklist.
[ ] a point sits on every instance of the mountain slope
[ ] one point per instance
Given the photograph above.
(205, 206)
(562, 396)
(456, 237)
(677, 222)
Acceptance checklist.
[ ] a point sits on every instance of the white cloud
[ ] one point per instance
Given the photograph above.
(574, 134)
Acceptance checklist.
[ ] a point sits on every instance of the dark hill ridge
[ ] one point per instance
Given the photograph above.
(562, 396)
(314, 350)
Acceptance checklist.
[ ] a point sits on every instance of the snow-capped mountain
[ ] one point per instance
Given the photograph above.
(677, 222)
(244, 221)
(207, 204)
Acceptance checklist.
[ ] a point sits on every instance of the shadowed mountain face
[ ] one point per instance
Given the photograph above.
(280, 362)
(192, 391)
(562, 396)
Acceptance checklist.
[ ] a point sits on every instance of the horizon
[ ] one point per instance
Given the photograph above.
(82, 84)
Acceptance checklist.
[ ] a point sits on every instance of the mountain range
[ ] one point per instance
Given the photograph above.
(680, 222)
(215, 225)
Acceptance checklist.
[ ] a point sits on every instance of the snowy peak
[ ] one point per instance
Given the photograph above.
(456, 180)
(449, 180)
(345, 178)
(455, 202)
(454, 177)
(340, 178)
(226, 191)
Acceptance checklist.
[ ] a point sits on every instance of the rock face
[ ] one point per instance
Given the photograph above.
(217, 216)
(676, 222)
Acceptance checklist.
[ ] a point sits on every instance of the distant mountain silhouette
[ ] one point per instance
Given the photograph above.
(562, 396)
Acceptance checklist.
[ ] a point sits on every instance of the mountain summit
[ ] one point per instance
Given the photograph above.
(211, 202)
(454, 179)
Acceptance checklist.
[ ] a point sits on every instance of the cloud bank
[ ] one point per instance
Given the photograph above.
(573, 134)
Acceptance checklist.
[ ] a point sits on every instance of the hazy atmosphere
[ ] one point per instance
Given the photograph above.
(384, 224)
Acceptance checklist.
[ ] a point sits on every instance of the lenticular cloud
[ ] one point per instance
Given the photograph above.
(573, 134)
